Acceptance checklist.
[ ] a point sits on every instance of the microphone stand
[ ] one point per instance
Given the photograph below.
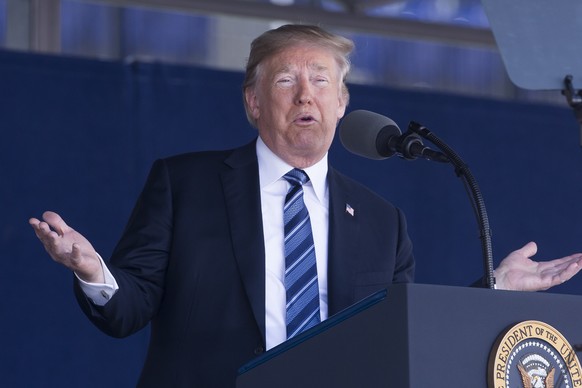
(462, 171)
(574, 98)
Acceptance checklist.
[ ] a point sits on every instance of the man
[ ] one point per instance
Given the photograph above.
(204, 257)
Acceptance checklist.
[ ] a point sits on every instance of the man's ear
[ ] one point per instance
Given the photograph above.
(344, 100)
(342, 105)
(252, 102)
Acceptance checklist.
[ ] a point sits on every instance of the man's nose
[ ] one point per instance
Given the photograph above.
(304, 92)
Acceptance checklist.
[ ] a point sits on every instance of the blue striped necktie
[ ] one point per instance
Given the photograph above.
(300, 268)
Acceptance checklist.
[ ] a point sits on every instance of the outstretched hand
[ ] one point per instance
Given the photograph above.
(520, 273)
(68, 247)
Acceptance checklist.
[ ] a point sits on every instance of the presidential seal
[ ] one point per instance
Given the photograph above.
(533, 354)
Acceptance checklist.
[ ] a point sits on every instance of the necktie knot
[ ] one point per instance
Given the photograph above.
(297, 177)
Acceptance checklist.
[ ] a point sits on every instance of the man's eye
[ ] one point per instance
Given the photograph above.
(283, 80)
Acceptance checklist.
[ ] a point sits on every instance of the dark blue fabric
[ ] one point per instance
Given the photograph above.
(78, 137)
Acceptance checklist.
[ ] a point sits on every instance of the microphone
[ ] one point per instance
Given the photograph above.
(374, 136)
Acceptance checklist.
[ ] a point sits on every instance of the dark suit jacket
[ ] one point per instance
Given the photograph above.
(191, 262)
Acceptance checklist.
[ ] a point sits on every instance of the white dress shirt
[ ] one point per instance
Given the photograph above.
(273, 191)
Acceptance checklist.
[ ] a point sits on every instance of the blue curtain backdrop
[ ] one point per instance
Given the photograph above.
(78, 137)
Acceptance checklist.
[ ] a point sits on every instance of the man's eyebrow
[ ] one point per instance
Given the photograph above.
(318, 67)
(314, 66)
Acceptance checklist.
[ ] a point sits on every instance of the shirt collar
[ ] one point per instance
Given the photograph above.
(272, 168)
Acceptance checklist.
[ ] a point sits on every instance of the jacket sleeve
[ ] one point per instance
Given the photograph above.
(139, 261)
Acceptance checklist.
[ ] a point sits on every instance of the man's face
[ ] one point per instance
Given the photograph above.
(297, 103)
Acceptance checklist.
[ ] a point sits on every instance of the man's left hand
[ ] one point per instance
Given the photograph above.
(520, 273)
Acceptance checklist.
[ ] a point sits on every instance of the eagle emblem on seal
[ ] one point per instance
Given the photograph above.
(536, 372)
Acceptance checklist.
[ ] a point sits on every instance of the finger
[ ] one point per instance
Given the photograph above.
(55, 222)
(570, 271)
(35, 223)
(44, 233)
(53, 243)
(562, 263)
(573, 261)
(41, 228)
(557, 276)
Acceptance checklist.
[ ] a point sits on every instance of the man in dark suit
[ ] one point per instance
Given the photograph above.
(204, 255)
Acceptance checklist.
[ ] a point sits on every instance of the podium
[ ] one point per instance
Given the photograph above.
(411, 335)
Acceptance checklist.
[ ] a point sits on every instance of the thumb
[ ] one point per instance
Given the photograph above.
(76, 255)
(529, 249)
(81, 258)
(87, 269)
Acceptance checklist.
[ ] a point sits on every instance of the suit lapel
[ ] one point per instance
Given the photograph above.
(344, 229)
(243, 203)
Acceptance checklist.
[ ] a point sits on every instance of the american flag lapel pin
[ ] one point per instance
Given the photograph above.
(350, 210)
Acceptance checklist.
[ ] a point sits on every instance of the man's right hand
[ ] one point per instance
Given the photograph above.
(68, 247)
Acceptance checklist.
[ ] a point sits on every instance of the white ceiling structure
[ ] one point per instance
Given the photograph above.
(34, 24)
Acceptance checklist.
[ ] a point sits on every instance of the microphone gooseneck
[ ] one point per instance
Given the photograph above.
(478, 203)
(374, 136)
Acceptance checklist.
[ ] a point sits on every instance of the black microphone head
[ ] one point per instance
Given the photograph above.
(367, 134)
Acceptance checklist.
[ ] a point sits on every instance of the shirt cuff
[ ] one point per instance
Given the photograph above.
(100, 293)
